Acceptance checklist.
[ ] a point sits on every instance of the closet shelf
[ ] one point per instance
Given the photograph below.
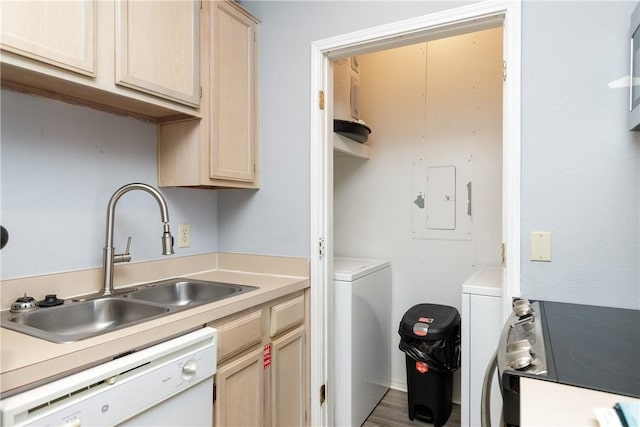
(345, 146)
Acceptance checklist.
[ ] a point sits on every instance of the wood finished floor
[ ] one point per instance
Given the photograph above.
(392, 412)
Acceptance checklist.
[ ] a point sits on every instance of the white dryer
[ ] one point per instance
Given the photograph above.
(362, 294)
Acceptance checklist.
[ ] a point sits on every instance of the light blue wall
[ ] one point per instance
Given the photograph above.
(60, 164)
(579, 163)
(580, 166)
(275, 220)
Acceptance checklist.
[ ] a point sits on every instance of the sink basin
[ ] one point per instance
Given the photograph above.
(187, 292)
(80, 320)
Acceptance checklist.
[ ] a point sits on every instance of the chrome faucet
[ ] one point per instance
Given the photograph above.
(109, 258)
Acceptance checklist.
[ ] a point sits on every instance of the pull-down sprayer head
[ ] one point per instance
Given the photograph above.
(167, 241)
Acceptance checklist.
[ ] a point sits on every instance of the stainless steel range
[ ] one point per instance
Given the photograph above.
(580, 345)
(524, 350)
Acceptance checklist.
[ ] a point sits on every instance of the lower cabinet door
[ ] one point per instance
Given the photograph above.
(288, 380)
(240, 391)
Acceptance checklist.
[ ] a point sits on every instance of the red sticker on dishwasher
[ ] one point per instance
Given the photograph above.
(267, 356)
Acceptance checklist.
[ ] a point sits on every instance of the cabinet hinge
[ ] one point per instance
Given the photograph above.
(323, 393)
(321, 247)
(504, 71)
(200, 91)
(214, 392)
(321, 99)
(503, 257)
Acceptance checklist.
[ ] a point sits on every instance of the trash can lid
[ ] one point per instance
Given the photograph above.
(430, 322)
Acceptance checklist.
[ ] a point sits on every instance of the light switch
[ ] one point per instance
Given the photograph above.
(541, 246)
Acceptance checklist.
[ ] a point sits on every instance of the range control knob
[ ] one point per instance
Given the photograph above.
(521, 307)
(189, 370)
(520, 359)
(518, 345)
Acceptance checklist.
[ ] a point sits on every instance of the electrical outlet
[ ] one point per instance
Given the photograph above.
(184, 235)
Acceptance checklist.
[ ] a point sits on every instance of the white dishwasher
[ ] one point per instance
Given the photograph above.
(168, 384)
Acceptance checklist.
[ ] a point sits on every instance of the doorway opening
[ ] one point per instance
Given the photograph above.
(460, 21)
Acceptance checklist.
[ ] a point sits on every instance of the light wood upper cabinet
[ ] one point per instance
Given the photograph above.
(158, 48)
(62, 34)
(233, 93)
(87, 51)
(221, 149)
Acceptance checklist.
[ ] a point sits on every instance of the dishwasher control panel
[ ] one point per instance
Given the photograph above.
(132, 386)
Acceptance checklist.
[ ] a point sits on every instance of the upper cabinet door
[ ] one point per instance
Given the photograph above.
(157, 48)
(233, 93)
(56, 33)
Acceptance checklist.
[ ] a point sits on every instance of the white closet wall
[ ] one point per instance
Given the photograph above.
(440, 104)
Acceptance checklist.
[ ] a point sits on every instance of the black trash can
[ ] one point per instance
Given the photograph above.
(430, 338)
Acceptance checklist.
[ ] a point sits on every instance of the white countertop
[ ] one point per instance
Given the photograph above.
(545, 403)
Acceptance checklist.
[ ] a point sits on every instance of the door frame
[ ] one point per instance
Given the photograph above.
(456, 21)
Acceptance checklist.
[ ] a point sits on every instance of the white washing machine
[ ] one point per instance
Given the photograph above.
(362, 293)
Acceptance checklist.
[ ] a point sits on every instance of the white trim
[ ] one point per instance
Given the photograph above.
(318, 224)
(460, 20)
(511, 143)
(443, 24)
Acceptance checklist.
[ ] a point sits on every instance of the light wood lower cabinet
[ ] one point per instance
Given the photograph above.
(262, 379)
(240, 391)
(288, 379)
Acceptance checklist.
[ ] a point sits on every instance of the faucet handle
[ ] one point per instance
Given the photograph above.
(126, 256)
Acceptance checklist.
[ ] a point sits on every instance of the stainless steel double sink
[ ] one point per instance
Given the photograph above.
(79, 319)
